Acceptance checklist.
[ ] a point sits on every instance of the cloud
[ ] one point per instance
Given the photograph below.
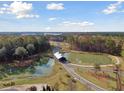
(5, 5)
(1, 12)
(47, 28)
(19, 9)
(55, 6)
(73, 26)
(68, 26)
(52, 18)
(80, 24)
(112, 8)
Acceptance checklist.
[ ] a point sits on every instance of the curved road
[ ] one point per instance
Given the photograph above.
(70, 69)
(91, 85)
(82, 80)
(91, 66)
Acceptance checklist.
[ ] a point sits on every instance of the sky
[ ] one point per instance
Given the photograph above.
(61, 16)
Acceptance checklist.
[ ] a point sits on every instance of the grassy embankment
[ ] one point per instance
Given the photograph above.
(59, 79)
(105, 80)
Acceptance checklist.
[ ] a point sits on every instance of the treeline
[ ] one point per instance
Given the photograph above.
(20, 47)
(103, 44)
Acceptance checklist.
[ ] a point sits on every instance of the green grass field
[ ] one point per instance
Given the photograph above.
(122, 53)
(89, 58)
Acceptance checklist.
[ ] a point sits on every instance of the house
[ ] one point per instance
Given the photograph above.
(60, 57)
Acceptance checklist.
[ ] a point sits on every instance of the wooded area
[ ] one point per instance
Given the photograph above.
(20, 47)
(96, 43)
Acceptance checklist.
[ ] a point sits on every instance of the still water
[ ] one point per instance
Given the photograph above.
(41, 68)
(44, 69)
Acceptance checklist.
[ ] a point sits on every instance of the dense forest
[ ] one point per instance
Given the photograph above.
(96, 43)
(20, 47)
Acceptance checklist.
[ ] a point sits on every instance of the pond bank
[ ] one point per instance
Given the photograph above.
(41, 67)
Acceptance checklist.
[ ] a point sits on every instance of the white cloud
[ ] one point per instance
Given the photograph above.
(27, 16)
(1, 12)
(55, 6)
(73, 26)
(68, 26)
(112, 8)
(5, 5)
(47, 28)
(19, 9)
(81, 24)
(52, 18)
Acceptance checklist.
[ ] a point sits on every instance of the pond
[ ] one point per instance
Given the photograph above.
(42, 67)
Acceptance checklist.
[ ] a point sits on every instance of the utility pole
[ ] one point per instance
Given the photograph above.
(118, 77)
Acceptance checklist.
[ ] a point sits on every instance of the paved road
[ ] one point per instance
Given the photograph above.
(90, 85)
(70, 69)
(90, 66)
(72, 72)
(117, 60)
(92, 69)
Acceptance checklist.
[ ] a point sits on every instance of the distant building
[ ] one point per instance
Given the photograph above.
(58, 39)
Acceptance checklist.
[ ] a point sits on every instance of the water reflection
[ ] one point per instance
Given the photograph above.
(44, 69)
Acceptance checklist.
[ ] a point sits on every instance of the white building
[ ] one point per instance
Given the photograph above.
(58, 55)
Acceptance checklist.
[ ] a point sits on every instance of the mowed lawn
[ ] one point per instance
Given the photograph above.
(89, 58)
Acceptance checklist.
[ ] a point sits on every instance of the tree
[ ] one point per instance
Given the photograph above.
(21, 52)
(95, 44)
(3, 52)
(33, 44)
(119, 48)
(19, 42)
(33, 88)
(118, 76)
(48, 88)
(30, 48)
(44, 89)
(97, 67)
